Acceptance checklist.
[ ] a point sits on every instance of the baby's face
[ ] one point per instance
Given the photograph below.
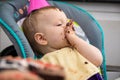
(54, 23)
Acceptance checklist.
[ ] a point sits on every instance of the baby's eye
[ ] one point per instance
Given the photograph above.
(59, 24)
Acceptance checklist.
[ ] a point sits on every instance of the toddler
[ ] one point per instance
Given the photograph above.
(51, 33)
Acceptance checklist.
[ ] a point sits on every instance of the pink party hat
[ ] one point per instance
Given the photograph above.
(36, 4)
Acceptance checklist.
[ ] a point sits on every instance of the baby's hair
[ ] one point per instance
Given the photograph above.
(30, 23)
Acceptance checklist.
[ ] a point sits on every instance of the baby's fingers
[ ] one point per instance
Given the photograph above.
(70, 22)
(69, 25)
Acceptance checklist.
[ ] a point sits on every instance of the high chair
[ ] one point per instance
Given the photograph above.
(11, 11)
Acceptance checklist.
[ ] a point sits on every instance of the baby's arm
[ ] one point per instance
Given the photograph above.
(87, 50)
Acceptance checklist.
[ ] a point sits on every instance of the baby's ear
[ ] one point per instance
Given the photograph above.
(40, 38)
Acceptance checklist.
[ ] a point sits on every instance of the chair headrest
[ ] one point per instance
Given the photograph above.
(11, 12)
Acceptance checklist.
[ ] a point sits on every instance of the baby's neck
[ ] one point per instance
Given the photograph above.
(46, 50)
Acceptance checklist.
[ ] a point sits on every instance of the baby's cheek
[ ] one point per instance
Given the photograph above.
(62, 36)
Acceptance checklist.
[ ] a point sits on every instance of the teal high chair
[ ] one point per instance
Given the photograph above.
(9, 16)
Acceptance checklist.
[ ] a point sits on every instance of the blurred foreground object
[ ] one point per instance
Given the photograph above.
(16, 68)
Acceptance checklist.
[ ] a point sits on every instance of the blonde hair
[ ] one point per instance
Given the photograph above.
(30, 26)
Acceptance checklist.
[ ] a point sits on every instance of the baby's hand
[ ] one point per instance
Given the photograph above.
(70, 32)
(69, 28)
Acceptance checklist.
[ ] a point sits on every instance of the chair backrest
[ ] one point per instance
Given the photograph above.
(10, 13)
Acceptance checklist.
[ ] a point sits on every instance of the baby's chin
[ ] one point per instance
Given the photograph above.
(68, 45)
(62, 47)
